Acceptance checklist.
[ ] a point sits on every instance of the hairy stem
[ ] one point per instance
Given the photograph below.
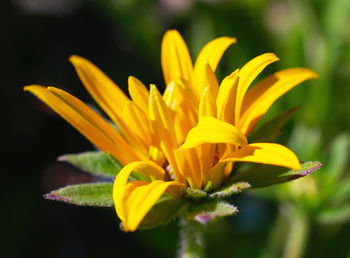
(191, 239)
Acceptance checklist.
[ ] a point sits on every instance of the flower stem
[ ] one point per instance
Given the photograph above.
(297, 235)
(191, 239)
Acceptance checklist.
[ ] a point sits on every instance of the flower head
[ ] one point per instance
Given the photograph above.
(189, 137)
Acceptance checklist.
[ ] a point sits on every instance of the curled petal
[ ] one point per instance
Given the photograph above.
(265, 153)
(212, 130)
(247, 75)
(260, 98)
(213, 51)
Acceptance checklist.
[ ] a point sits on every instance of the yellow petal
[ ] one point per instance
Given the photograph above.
(207, 105)
(213, 51)
(141, 200)
(212, 130)
(147, 168)
(162, 122)
(86, 121)
(138, 92)
(138, 125)
(265, 153)
(206, 77)
(189, 164)
(175, 58)
(105, 92)
(226, 99)
(260, 98)
(247, 75)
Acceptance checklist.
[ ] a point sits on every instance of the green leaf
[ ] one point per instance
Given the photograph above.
(272, 128)
(266, 175)
(94, 162)
(335, 215)
(204, 212)
(230, 189)
(95, 194)
(163, 212)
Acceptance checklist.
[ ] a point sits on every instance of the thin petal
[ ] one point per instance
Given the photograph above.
(206, 77)
(265, 153)
(213, 51)
(105, 92)
(226, 99)
(260, 98)
(162, 122)
(207, 105)
(211, 130)
(247, 75)
(86, 121)
(189, 164)
(175, 58)
(138, 92)
(138, 124)
(147, 168)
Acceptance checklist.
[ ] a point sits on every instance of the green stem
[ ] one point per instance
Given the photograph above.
(191, 239)
(297, 235)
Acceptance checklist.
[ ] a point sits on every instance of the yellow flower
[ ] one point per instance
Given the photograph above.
(190, 136)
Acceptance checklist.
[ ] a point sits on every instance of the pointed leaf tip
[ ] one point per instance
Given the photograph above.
(307, 169)
(95, 194)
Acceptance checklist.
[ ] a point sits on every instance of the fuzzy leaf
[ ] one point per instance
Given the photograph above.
(94, 162)
(195, 193)
(272, 128)
(163, 212)
(265, 175)
(95, 194)
(230, 189)
(204, 212)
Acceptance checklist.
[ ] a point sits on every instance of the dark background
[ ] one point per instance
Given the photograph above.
(123, 38)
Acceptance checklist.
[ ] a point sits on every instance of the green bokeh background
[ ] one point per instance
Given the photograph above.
(123, 38)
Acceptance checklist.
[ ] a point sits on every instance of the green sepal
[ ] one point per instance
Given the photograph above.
(230, 189)
(94, 162)
(204, 212)
(163, 212)
(94, 194)
(194, 193)
(272, 128)
(265, 175)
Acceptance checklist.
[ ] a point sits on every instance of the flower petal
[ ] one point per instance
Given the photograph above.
(206, 77)
(265, 153)
(212, 130)
(260, 98)
(162, 122)
(175, 58)
(247, 75)
(141, 199)
(86, 121)
(213, 51)
(147, 168)
(105, 92)
(138, 124)
(226, 100)
(138, 92)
